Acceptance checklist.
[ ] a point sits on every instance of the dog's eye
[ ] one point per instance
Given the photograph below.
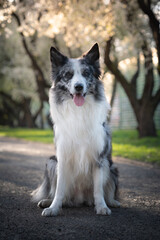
(68, 75)
(86, 73)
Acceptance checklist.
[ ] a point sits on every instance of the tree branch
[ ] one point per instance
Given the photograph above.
(149, 77)
(40, 80)
(9, 98)
(154, 25)
(56, 43)
(120, 77)
(112, 98)
(113, 92)
(38, 111)
(135, 76)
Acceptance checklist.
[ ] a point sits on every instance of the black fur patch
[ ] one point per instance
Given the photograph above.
(54, 158)
(107, 150)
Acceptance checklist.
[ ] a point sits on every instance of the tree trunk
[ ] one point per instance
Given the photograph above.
(27, 119)
(146, 126)
(145, 107)
(112, 98)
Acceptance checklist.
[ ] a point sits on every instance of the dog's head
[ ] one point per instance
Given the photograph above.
(76, 78)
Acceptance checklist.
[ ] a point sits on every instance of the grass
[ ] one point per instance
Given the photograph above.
(125, 142)
(36, 135)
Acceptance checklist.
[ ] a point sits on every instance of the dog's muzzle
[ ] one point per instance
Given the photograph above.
(79, 95)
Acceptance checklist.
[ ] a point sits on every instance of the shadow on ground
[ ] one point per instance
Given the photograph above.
(21, 169)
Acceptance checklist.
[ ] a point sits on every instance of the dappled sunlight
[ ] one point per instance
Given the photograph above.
(128, 56)
(39, 41)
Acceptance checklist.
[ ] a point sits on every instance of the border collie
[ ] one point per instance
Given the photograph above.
(82, 172)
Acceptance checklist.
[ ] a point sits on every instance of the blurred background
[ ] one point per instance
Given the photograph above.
(129, 40)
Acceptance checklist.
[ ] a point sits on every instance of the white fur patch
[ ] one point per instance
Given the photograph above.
(79, 132)
(77, 78)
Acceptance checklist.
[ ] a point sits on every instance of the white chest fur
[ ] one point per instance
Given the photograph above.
(79, 131)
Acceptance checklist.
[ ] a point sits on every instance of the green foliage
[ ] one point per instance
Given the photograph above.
(125, 142)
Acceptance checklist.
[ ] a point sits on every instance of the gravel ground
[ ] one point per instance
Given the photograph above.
(21, 170)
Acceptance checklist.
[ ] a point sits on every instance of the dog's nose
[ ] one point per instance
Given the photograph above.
(78, 87)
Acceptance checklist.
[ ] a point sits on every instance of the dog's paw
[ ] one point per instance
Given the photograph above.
(114, 203)
(103, 210)
(49, 212)
(44, 203)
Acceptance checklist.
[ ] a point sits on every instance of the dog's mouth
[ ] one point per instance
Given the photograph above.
(78, 99)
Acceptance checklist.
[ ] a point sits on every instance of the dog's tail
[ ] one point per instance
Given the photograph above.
(45, 190)
(114, 175)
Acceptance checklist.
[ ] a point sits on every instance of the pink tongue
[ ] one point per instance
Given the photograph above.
(78, 99)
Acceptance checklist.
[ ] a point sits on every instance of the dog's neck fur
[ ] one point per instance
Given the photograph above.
(67, 112)
(79, 129)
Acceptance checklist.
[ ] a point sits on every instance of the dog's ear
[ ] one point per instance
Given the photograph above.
(57, 58)
(93, 54)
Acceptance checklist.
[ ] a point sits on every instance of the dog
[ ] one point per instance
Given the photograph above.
(82, 172)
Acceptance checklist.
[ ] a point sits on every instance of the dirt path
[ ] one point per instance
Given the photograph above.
(21, 168)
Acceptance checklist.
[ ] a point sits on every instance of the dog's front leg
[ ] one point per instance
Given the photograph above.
(56, 205)
(98, 182)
